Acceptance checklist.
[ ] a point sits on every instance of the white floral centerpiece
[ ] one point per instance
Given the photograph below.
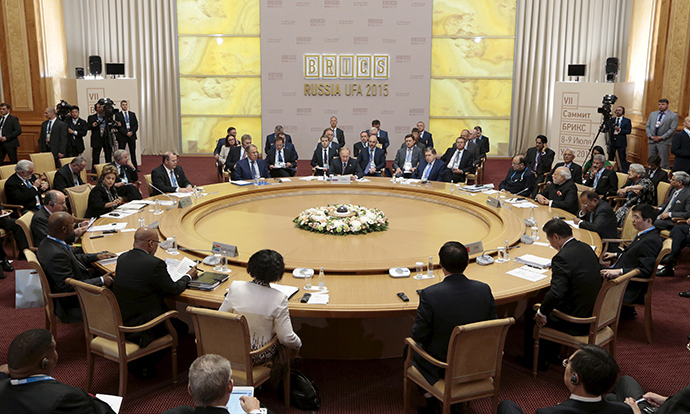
(326, 220)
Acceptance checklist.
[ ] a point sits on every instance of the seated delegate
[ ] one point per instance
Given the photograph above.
(103, 197)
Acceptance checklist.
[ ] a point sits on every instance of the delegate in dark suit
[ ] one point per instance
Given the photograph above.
(383, 139)
(133, 126)
(317, 160)
(465, 165)
(142, 285)
(416, 157)
(10, 130)
(379, 161)
(351, 167)
(288, 155)
(602, 220)
(99, 196)
(439, 313)
(545, 161)
(59, 262)
(271, 139)
(39, 227)
(339, 136)
(520, 182)
(18, 193)
(606, 185)
(677, 205)
(436, 171)
(129, 176)
(65, 178)
(49, 396)
(640, 254)
(426, 138)
(243, 170)
(483, 143)
(59, 143)
(236, 153)
(80, 128)
(680, 147)
(160, 178)
(563, 196)
(571, 406)
(357, 148)
(619, 139)
(575, 170)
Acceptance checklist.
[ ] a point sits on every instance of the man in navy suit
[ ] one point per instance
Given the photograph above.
(270, 139)
(282, 161)
(459, 161)
(170, 177)
(372, 160)
(345, 165)
(429, 169)
(323, 156)
(482, 141)
(380, 134)
(619, 127)
(53, 137)
(680, 147)
(127, 131)
(603, 180)
(238, 152)
(519, 179)
(407, 158)
(10, 130)
(337, 132)
(425, 136)
(660, 126)
(251, 167)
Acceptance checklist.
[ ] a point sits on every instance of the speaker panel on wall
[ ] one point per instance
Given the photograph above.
(95, 65)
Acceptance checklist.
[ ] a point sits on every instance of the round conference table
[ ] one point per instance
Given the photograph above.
(364, 317)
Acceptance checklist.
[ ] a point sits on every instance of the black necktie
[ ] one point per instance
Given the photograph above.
(2, 123)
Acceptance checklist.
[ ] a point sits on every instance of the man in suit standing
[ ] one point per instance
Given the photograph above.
(345, 165)
(575, 169)
(482, 141)
(560, 193)
(270, 139)
(430, 169)
(251, 167)
(29, 388)
(660, 126)
(603, 180)
(141, 285)
(640, 254)
(53, 137)
(125, 183)
(417, 142)
(332, 143)
(597, 215)
(680, 147)
(407, 159)
(100, 136)
(337, 132)
(169, 177)
(381, 135)
(361, 145)
(282, 161)
(69, 175)
(459, 161)
(619, 127)
(54, 201)
(323, 156)
(678, 203)
(9, 134)
(59, 263)
(372, 160)
(24, 188)
(425, 136)
(540, 157)
(482, 146)
(519, 180)
(590, 372)
(76, 129)
(127, 131)
(438, 312)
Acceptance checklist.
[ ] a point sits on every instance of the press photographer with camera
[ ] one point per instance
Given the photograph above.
(102, 125)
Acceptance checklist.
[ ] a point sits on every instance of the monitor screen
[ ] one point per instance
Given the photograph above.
(576, 70)
(115, 69)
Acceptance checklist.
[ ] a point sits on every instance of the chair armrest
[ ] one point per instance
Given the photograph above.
(266, 347)
(573, 319)
(640, 279)
(17, 208)
(616, 240)
(678, 220)
(62, 295)
(416, 348)
(150, 324)
(138, 184)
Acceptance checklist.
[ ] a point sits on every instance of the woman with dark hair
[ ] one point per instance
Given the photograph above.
(588, 165)
(265, 308)
(103, 197)
(223, 149)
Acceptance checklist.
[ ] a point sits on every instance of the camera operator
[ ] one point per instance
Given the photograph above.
(127, 131)
(77, 128)
(100, 124)
(53, 137)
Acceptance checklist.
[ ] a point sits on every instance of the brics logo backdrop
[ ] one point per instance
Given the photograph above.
(344, 66)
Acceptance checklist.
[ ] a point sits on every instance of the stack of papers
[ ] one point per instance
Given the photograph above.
(179, 268)
(319, 298)
(478, 188)
(534, 261)
(118, 214)
(106, 227)
(134, 205)
(529, 273)
(111, 261)
(288, 290)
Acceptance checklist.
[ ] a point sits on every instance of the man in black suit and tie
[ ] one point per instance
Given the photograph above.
(127, 131)
(459, 161)
(169, 177)
(251, 167)
(678, 203)
(100, 136)
(53, 137)
(415, 138)
(59, 263)
(656, 174)
(603, 180)
(24, 188)
(361, 145)
(560, 193)
(372, 160)
(282, 161)
(76, 129)
(519, 180)
(482, 141)
(575, 169)
(381, 135)
(345, 165)
(239, 152)
(430, 169)
(680, 147)
(69, 175)
(407, 159)
(337, 132)
(640, 254)
(457, 300)
(270, 139)
(540, 157)
(425, 136)
(597, 215)
(125, 183)
(323, 156)
(10, 130)
(619, 128)
(660, 126)
(590, 372)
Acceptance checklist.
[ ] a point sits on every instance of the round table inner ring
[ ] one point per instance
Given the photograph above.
(419, 223)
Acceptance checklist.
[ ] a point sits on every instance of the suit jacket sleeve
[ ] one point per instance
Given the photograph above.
(569, 201)
(182, 180)
(18, 193)
(625, 126)
(63, 138)
(60, 182)
(423, 324)
(650, 122)
(646, 254)
(60, 269)
(677, 147)
(160, 181)
(165, 284)
(559, 285)
(12, 128)
(283, 326)
(672, 128)
(75, 400)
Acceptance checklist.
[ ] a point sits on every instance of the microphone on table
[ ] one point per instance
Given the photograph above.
(521, 191)
(162, 192)
(484, 259)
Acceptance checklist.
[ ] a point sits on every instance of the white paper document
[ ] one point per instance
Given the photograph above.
(110, 226)
(288, 290)
(166, 202)
(114, 401)
(534, 261)
(541, 244)
(530, 275)
(134, 205)
(179, 268)
(309, 178)
(111, 261)
(319, 299)
(118, 214)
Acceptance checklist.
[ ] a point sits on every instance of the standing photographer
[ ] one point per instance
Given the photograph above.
(100, 132)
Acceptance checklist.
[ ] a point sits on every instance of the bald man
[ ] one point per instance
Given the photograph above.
(141, 284)
(59, 262)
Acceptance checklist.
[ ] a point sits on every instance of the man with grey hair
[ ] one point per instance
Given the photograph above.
(270, 139)
(678, 203)
(53, 137)
(126, 176)
(53, 201)
(561, 192)
(251, 167)
(568, 161)
(69, 175)
(210, 385)
(604, 181)
(24, 188)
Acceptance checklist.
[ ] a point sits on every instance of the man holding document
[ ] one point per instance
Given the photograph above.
(142, 285)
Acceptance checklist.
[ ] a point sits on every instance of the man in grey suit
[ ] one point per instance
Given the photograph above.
(678, 204)
(661, 125)
(407, 159)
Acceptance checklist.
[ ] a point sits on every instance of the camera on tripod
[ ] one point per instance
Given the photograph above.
(62, 109)
(606, 104)
(109, 111)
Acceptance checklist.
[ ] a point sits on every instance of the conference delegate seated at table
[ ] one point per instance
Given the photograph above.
(103, 197)
(323, 156)
(597, 215)
(345, 165)
(561, 192)
(126, 176)
(270, 139)
(68, 175)
(604, 182)
(251, 167)
(637, 190)
(372, 159)
(359, 146)
(281, 160)
(540, 157)
(407, 158)
(678, 203)
(24, 188)
(519, 180)
(459, 161)
(597, 150)
(430, 169)
(575, 169)
(238, 152)
(170, 177)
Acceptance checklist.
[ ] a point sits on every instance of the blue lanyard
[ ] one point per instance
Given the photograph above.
(59, 241)
(31, 379)
(522, 176)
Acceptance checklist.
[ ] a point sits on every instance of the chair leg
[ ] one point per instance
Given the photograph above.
(406, 395)
(123, 378)
(174, 364)
(286, 387)
(89, 370)
(648, 323)
(446, 404)
(535, 357)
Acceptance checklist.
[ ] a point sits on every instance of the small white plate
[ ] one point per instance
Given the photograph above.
(302, 272)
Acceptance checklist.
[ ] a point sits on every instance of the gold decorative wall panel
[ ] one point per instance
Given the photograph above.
(19, 67)
(234, 56)
(474, 18)
(218, 17)
(221, 96)
(470, 97)
(447, 130)
(467, 58)
(202, 133)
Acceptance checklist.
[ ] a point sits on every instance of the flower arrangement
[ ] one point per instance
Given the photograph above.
(323, 220)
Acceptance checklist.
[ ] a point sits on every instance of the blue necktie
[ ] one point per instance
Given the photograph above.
(427, 170)
(173, 180)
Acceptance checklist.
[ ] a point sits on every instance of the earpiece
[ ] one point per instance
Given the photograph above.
(574, 380)
(44, 363)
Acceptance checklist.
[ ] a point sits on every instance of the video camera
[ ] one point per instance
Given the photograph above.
(62, 109)
(606, 104)
(109, 111)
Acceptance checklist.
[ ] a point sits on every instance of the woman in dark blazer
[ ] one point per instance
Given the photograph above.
(103, 197)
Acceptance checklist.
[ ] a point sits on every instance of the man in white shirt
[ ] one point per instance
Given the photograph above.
(127, 131)
(407, 159)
